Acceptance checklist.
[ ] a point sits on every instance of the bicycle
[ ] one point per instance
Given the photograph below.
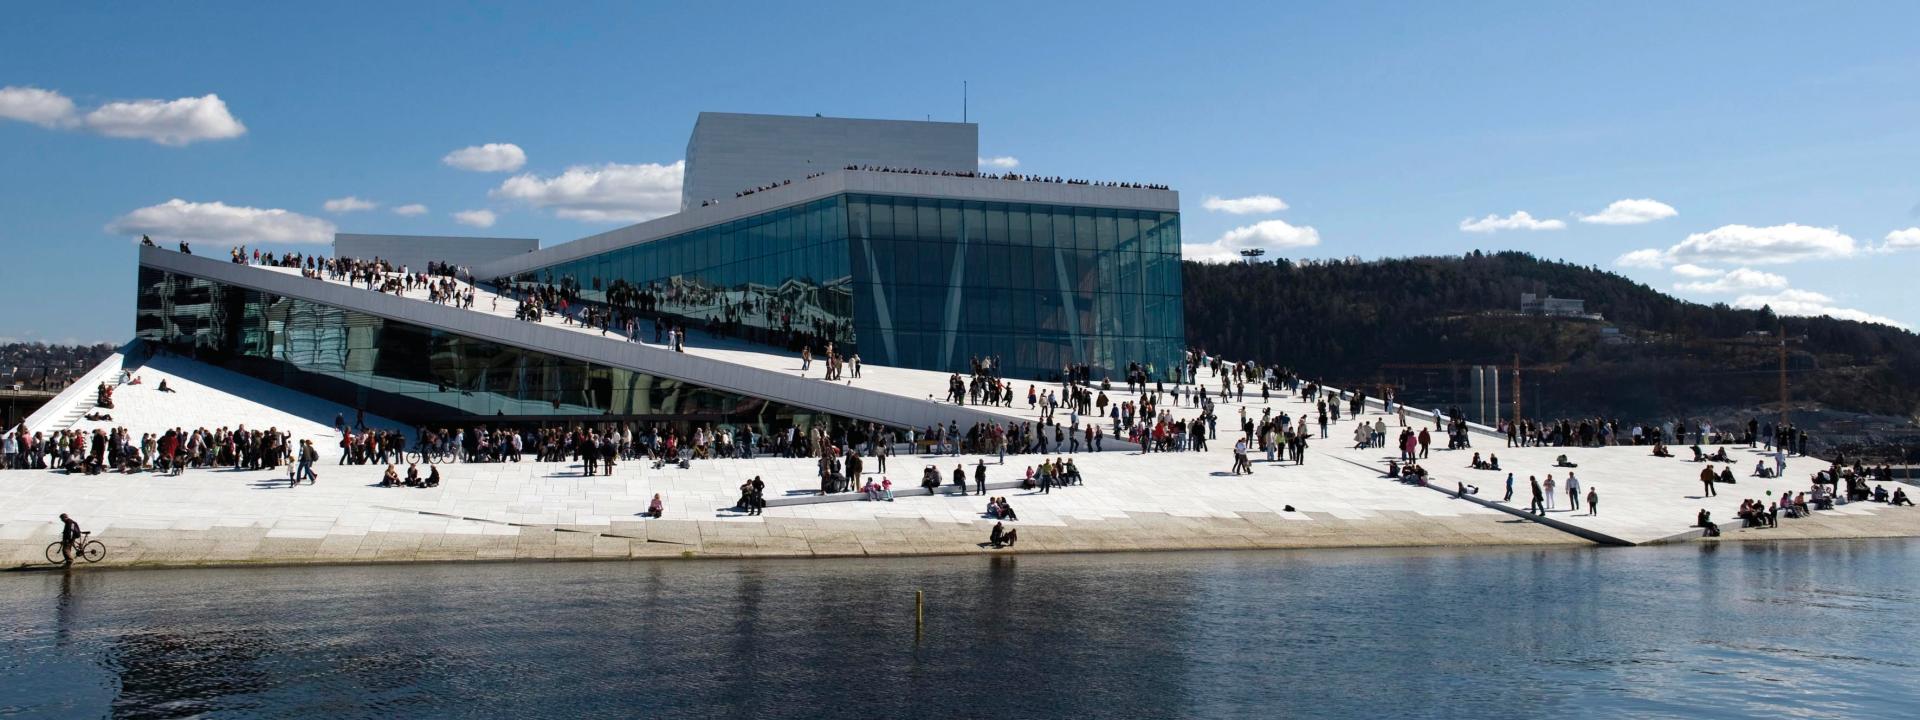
(428, 455)
(84, 548)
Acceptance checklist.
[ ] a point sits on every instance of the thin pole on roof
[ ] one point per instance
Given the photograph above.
(963, 101)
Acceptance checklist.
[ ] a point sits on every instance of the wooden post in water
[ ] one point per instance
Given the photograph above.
(919, 612)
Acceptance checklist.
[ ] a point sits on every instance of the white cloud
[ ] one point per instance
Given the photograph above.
(1520, 220)
(1772, 245)
(1269, 235)
(1644, 258)
(1739, 280)
(1003, 162)
(1907, 239)
(349, 204)
(1631, 212)
(45, 108)
(491, 157)
(168, 122)
(605, 193)
(1807, 303)
(1691, 270)
(476, 218)
(178, 219)
(1249, 205)
(410, 210)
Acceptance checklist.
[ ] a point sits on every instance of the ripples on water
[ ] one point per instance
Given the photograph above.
(1789, 629)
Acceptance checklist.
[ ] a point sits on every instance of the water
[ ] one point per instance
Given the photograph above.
(1700, 631)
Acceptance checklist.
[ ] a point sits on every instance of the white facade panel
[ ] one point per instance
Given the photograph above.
(732, 152)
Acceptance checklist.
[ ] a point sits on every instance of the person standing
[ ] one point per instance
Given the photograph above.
(1706, 481)
(1548, 486)
(304, 471)
(1573, 492)
(69, 535)
(1593, 501)
(1537, 507)
(1509, 497)
(980, 477)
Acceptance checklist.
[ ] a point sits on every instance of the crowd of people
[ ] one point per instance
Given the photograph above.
(1597, 432)
(119, 450)
(1007, 176)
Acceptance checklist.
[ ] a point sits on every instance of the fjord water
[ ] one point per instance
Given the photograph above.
(1812, 629)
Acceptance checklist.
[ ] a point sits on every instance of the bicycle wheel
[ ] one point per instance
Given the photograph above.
(53, 553)
(93, 550)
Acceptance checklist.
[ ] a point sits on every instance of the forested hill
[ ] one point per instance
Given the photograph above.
(1350, 322)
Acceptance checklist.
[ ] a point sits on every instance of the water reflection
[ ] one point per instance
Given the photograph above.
(1685, 631)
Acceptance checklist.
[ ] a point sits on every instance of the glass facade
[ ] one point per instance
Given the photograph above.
(416, 374)
(766, 276)
(924, 283)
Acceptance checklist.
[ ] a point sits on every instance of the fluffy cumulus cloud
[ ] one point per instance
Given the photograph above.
(1249, 205)
(1812, 304)
(491, 157)
(219, 222)
(475, 218)
(1773, 245)
(1268, 235)
(168, 122)
(1908, 239)
(601, 193)
(1748, 245)
(1645, 258)
(1739, 280)
(1691, 270)
(1631, 212)
(1520, 220)
(410, 210)
(45, 108)
(1003, 162)
(349, 204)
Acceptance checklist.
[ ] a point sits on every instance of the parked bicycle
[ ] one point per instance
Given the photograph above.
(428, 455)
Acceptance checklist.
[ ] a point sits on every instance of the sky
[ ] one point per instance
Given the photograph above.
(1742, 153)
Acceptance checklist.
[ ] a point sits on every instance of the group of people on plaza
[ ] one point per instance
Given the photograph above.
(118, 450)
(1169, 410)
(1594, 432)
(413, 478)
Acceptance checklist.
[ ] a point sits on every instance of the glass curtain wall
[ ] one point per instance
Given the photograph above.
(939, 283)
(922, 283)
(417, 374)
(767, 277)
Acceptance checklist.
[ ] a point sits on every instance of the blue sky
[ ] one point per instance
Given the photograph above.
(1777, 143)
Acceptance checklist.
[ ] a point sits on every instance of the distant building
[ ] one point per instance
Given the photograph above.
(1531, 304)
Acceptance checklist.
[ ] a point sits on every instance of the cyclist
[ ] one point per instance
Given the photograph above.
(69, 535)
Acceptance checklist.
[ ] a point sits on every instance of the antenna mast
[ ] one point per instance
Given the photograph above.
(963, 101)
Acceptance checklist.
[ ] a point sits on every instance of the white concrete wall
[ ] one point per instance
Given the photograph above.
(731, 152)
(415, 251)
